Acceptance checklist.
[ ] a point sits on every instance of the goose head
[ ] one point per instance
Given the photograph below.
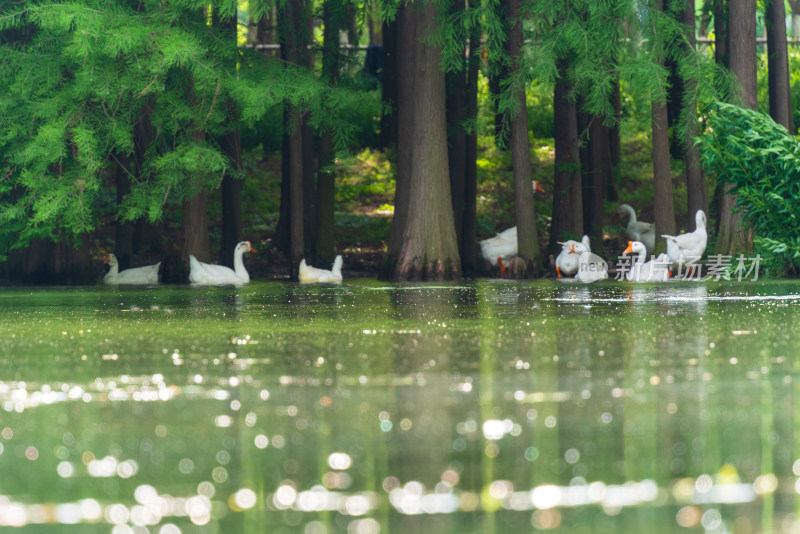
(244, 246)
(536, 187)
(110, 259)
(635, 247)
(700, 219)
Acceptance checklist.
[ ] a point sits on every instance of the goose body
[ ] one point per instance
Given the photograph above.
(568, 260)
(146, 275)
(504, 244)
(209, 274)
(689, 247)
(656, 270)
(308, 274)
(643, 232)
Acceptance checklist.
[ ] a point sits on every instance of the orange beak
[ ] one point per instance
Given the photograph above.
(537, 187)
(107, 258)
(572, 249)
(629, 250)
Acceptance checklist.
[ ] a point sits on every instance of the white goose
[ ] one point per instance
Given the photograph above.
(689, 247)
(308, 274)
(643, 232)
(656, 270)
(568, 260)
(209, 274)
(136, 276)
(504, 244)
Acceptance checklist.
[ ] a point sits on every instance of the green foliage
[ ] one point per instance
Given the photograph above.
(759, 159)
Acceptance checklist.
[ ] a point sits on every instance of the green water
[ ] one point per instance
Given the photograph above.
(366, 408)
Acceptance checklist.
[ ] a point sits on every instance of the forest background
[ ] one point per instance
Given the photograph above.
(396, 133)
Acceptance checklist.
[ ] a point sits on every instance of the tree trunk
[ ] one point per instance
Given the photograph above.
(423, 245)
(294, 35)
(388, 137)
(567, 218)
(469, 231)
(527, 239)
(696, 194)
(195, 228)
(615, 146)
(231, 199)
(596, 171)
(721, 33)
(732, 236)
(325, 250)
(663, 206)
(780, 107)
(123, 240)
(456, 84)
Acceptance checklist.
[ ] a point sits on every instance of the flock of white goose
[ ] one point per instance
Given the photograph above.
(208, 274)
(682, 250)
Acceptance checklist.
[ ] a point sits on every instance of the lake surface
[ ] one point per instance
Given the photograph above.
(367, 408)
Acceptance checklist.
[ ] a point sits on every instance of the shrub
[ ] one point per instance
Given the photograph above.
(760, 160)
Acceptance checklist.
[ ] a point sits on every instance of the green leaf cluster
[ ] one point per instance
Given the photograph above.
(760, 161)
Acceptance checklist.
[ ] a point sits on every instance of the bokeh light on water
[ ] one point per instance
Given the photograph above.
(367, 408)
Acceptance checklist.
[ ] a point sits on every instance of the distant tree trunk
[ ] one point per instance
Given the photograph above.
(469, 231)
(567, 216)
(388, 137)
(527, 238)
(283, 230)
(732, 236)
(195, 228)
(423, 244)
(696, 194)
(456, 83)
(780, 106)
(795, 6)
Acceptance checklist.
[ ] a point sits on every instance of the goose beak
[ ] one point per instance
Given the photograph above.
(572, 249)
(629, 250)
(537, 187)
(107, 258)
(251, 249)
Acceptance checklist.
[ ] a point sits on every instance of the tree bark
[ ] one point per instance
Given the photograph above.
(423, 245)
(732, 236)
(595, 171)
(123, 239)
(567, 217)
(721, 33)
(780, 107)
(527, 239)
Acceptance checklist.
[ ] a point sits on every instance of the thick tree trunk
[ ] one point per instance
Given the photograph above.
(567, 218)
(732, 236)
(721, 33)
(527, 238)
(456, 84)
(615, 146)
(195, 228)
(296, 189)
(780, 106)
(423, 242)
